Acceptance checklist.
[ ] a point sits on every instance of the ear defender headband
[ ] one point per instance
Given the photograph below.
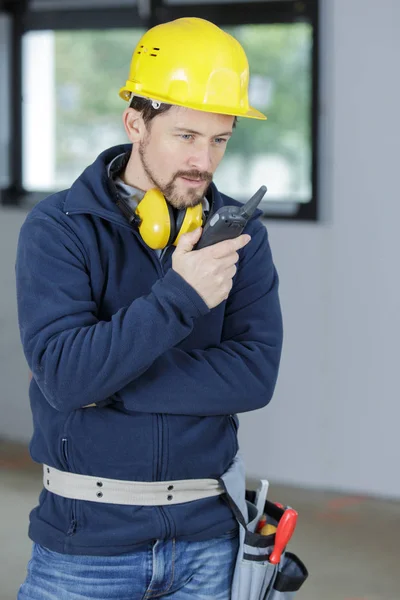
(154, 218)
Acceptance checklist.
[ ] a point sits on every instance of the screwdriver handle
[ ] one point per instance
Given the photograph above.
(284, 532)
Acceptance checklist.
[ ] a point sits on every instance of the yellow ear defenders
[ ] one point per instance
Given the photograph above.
(156, 222)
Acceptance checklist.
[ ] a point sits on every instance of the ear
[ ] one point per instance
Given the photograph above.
(134, 125)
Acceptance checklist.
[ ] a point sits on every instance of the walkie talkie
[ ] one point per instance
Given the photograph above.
(229, 221)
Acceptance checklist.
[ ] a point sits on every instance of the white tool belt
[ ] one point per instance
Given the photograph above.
(117, 491)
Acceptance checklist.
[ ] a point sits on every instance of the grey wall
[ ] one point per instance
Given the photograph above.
(334, 419)
(15, 421)
(4, 99)
(15, 414)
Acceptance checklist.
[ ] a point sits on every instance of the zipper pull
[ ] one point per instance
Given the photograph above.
(72, 527)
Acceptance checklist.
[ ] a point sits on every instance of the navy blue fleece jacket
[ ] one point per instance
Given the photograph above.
(103, 320)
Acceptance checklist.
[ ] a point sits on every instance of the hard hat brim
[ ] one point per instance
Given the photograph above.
(251, 113)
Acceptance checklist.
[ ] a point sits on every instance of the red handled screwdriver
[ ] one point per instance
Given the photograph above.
(284, 532)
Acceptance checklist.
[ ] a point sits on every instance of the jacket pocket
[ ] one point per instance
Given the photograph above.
(73, 503)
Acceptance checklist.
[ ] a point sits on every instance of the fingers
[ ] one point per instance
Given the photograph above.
(231, 272)
(188, 240)
(228, 261)
(227, 247)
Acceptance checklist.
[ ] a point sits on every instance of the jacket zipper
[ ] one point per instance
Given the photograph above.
(73, 523)
(233, 423)
(165, 257)
(160, 417)
(159, 446)
(234, 429)
(160, 442)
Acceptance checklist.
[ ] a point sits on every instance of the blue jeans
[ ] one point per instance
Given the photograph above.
(172, 569)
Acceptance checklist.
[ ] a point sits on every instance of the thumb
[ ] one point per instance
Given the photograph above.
(188, 240)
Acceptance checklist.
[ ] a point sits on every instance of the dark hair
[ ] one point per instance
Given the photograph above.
(144, 106)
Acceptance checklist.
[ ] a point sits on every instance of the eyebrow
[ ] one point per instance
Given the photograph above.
(194, 132)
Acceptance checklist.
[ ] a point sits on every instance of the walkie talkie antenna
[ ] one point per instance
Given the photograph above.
(250, 206)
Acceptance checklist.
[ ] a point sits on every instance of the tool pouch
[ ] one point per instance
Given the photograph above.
(255, 578)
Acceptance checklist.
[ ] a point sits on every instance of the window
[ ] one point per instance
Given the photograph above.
(277, 152)
(71, 107)
(72, 111)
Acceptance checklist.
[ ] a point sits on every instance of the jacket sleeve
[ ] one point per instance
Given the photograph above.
(240, 373)
(75, 358)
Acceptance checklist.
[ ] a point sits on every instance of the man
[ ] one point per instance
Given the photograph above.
(143, 348)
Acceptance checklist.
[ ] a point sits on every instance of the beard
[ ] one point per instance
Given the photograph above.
(170, 191)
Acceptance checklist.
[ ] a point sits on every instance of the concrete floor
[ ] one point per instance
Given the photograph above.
(349, 544)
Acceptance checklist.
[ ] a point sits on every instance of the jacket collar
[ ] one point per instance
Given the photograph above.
(95, 192)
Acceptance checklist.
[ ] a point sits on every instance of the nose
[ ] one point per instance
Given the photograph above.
(200, 158)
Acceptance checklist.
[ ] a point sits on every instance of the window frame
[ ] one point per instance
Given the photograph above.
(226, 14)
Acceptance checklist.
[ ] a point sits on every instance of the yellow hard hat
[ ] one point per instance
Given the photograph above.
(193, 63)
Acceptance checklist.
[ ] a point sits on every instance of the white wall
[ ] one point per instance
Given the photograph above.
(333, 420)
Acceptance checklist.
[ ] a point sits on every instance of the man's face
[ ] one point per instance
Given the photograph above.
(180, 151)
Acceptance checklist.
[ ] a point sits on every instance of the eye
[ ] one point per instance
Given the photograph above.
(220, 141)
(186, 136)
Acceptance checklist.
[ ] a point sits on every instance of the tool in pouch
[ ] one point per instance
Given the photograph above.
(229, 221)
(264, 570)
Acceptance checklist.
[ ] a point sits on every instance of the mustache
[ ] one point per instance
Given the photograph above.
(205, 176)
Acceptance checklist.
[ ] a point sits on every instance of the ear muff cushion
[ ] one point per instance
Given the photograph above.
(179, 220)
(173, 227)
(156, 220)
(192, 218)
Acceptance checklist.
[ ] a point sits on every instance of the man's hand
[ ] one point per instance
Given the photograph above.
(210, 270)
